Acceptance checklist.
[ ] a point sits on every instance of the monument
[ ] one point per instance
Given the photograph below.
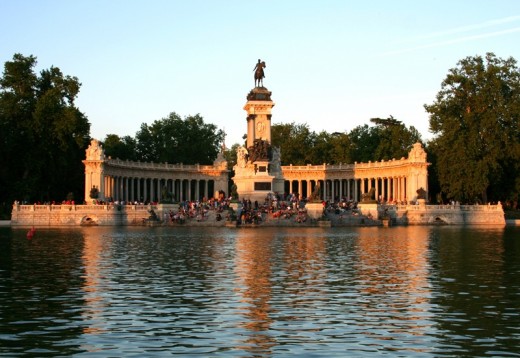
(258, 172)
(122, 192)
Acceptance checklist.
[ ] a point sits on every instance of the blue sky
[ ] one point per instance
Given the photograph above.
(330, 64)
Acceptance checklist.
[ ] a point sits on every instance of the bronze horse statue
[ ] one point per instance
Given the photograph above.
(259, 73)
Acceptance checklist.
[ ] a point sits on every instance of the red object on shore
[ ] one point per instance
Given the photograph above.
(30, 233)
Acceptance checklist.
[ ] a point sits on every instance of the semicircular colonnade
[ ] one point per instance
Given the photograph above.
(144, 182)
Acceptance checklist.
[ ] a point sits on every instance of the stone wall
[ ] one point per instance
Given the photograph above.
(422, 214)
(110, 215)
(77, 215)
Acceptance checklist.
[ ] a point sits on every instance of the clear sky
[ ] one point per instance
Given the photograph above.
(330, 64)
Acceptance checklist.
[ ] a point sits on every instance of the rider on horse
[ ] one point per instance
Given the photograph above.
(259, 73)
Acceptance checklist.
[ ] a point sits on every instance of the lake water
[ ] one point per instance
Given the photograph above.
(267, 292)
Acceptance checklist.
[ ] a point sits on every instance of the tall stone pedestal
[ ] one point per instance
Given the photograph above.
(258, 172)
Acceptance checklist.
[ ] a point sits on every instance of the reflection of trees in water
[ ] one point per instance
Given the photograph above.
(391, 271)
(474, 278)
(40, 292)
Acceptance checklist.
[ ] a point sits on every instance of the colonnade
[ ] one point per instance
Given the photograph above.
(129, 181)
(396, 181)
(388, 189)
(143, 190)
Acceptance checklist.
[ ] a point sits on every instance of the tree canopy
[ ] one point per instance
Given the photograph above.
(43, 134)
(476, 120)
(172, 139)
(386, 140)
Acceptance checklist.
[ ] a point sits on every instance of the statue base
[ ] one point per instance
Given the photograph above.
(369, 209)
(314, 210)
(255, 183)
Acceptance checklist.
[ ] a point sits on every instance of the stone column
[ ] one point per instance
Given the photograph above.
(113, 187)
(152, 189)
(125, 185)
(402, 192)
(131, 185)
(405, 186)
(117, 187)
(158, 189)
(105, 181)
(399, 189)
(394, 192)
(138, 190)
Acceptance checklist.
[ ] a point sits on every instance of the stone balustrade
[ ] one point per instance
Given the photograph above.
(411, 214)
(157, 166)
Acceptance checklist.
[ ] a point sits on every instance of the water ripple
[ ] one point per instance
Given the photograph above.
(406, 291)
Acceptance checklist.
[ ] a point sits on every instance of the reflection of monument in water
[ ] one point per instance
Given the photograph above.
(274, 277)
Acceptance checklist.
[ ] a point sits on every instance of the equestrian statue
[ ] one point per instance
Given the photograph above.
(259, 73)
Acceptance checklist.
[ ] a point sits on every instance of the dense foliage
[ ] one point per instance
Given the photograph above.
(476, 119)
(43, 134)
(171, 139)
(384, 141)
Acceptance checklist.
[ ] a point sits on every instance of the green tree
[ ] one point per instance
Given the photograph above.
(294, 141)
(231, 155)
(340, 151)
(364, 141)
(395, 139)
(476, 120)
(43, 134)
(123, 148)
(331, 148)
(176, 140)
(387, 140)
(319, 149)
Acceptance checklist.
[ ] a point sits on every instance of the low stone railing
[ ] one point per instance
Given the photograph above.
(415, 207)
(151, 165)
(80, 208)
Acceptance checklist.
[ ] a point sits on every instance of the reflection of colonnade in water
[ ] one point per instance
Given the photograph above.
(259, 266)
(394, 271)
(92, 251)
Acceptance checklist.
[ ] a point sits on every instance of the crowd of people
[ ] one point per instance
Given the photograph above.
(275, 206)
(278, 207)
